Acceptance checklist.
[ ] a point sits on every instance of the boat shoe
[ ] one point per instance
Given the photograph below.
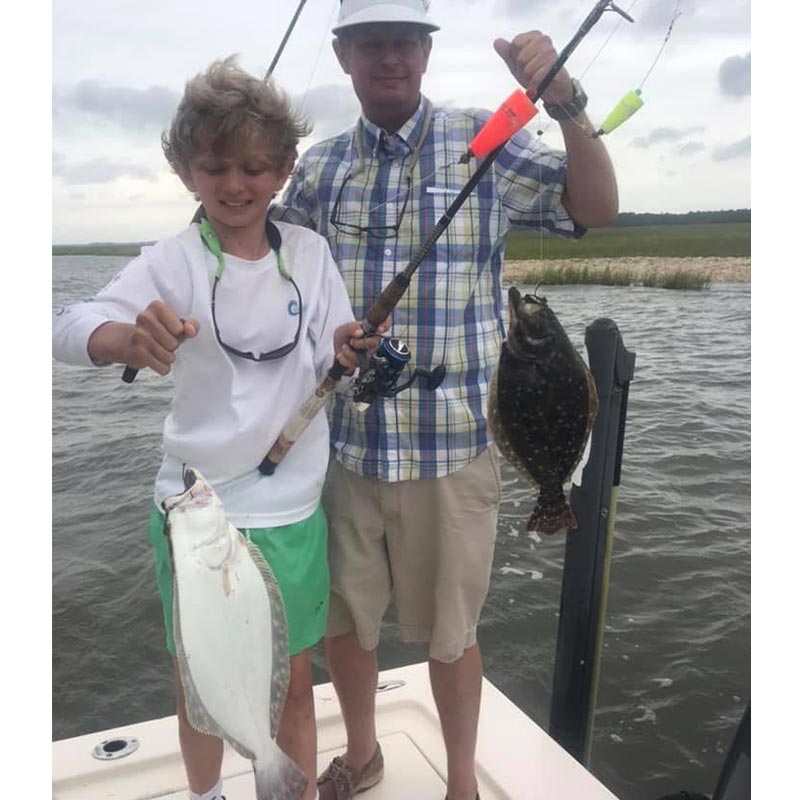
(340, 782)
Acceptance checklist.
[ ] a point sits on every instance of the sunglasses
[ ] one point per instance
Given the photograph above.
(212, 242)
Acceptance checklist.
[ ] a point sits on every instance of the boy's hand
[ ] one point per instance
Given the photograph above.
(151, 342)
(349, 341)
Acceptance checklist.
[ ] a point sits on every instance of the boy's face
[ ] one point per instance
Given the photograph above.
(235, 186)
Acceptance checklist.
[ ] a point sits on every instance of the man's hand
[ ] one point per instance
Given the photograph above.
(529, 56)
(151, 342)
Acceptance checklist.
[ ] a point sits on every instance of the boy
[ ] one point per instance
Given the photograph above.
(249, 313)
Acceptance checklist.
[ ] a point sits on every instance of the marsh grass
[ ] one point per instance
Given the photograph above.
(721, 240)
(558, 276)
(677, 280)
(554, 276)
(718, 239)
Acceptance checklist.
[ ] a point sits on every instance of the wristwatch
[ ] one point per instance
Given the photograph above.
(569, 110)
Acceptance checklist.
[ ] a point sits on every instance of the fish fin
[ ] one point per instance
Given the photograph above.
(592, 407)
(552, 515)
(280, 640)
(196, 712)
(278, 777)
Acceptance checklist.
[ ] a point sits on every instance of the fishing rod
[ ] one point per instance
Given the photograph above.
(285, 39)
(489, 141)
(519, 108)
(129, 373)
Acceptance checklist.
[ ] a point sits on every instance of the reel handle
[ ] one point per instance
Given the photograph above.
(433, 377)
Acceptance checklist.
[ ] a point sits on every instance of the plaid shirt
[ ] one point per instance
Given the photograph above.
(451, 313)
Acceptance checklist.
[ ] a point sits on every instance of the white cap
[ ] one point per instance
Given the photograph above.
(359, 12)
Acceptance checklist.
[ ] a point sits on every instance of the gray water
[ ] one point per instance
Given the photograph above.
(675, 676)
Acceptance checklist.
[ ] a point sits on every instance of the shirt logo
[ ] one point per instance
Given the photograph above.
(294, 308)
(440, 190)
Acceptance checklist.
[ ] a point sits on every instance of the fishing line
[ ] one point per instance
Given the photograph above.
(630, 102)
(675, 16)
(316, 61)
(608, 39)
(589, 133)
(541, 214)
(585, 72)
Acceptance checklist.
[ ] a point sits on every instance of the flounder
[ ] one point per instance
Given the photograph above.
(542, 405)
(230, 636)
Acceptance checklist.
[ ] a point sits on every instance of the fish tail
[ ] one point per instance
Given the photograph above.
(278, 778)
(551, 515)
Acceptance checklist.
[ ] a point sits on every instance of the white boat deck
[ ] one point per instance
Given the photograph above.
(516, 759)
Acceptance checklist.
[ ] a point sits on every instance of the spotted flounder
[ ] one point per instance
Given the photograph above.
(230, 636)
(542, 405)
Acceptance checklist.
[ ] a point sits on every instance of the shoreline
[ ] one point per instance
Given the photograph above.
(719, 270)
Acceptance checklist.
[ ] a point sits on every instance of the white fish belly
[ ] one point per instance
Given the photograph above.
(226, 635)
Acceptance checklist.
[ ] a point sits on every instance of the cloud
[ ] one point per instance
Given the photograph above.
(734, 76)
(99, 170)
(727, 152)
(657, 15)
(130, 108)
(706, 17)
(689, 149)
(521, 8)
(658, 135)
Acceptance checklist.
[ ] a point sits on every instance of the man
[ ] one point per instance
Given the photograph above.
(413, 492)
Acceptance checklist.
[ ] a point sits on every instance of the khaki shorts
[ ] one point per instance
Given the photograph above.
(425, 544)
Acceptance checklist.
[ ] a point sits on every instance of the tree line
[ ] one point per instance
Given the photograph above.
(628, 219)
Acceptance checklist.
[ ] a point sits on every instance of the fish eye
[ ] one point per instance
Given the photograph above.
(189, 478)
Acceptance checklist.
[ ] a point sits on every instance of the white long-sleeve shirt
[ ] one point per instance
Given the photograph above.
(228, 411)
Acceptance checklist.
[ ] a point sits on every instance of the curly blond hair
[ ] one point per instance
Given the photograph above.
(225, 108)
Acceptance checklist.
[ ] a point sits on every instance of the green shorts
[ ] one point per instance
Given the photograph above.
(298, 556)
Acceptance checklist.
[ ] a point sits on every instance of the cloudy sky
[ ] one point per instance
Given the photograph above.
(119, 69)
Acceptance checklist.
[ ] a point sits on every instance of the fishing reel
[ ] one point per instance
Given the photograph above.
(379, 377)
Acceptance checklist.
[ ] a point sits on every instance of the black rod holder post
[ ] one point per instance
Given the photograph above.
(587, 553)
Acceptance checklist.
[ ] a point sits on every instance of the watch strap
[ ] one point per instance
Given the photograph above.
(561, 112)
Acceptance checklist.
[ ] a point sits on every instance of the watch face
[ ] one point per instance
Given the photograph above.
(564, 111)
(579, 98)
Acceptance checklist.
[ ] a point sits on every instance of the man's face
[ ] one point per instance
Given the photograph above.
(386, 62)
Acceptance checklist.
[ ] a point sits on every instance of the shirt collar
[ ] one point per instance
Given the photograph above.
(374, 136)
